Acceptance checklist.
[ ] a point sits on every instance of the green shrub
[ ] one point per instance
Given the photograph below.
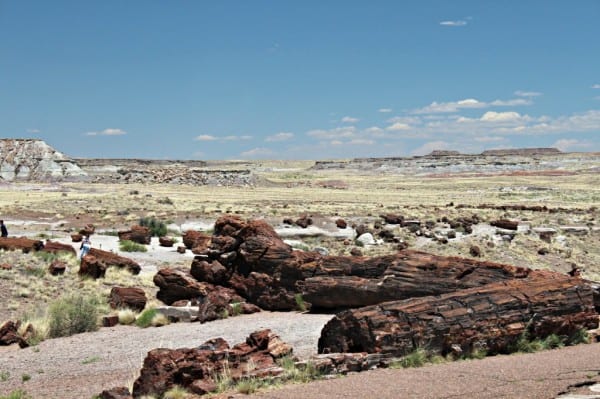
(176, 392)
(72, 314)
(144, 320)
(157, 227)
(415, 359)
(130, 246)
(300, 304)
(581, 336)
(236, 308)
(18, 394)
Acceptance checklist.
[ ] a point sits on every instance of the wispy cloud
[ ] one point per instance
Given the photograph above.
(431, 146)
(521, 93)
(349, 119)
(205, 137)
(107, 132)
(34, 131)
(282, 136)
(468, 103)
(332, 134)
(234, 138)
(398, 126)
(384, 110)
(492, 116)
(257, 152)
(459, 22)
(571, 144)
(596, 86)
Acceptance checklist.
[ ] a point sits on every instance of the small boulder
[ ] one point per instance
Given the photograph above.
(341, 224)
(167, 242)
(366, 239)
(181, 249)
(57, 267)
(475, 251)
(127, 297)
(304, 221)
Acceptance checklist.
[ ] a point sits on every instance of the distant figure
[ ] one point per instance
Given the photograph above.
(86, 245)
(3, 229)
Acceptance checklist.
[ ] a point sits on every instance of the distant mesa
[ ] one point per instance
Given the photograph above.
(522, 151)
(443, 153)
(34, 160)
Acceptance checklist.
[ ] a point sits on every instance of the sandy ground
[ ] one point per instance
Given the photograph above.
(83, 365)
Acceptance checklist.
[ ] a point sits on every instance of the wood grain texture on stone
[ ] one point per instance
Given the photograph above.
(490, 317)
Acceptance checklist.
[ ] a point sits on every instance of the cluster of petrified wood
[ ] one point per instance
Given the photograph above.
(391, 304)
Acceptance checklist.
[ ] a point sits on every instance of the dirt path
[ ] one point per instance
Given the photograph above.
(83, 365)
(542, 375)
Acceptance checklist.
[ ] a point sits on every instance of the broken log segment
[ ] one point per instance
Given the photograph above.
(20, 243)
(490, 318)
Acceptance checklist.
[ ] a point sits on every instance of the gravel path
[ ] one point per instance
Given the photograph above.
(83, 365)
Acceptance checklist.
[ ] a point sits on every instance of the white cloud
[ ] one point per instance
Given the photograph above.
(233, 138)
(468, 103)
(34, 131)
(430, 146)
(384, 110)
(332, 134)
(349, 119)
(282, 136)
(257, 152)
(596, 86)
(398, 126)
(521, 93)
(571, 145)
(454, 23)
(205, 137)
(489, 139)
(361, 142)
(107, 132)
(492, 116)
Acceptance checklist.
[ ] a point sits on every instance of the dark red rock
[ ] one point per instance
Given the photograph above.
(341, 224)
(112, 259)
(361, 229)
(110, 321)
(213, 272)
(5, 266)
(195, 239)
(139, 234)
(57, 247)
(166, 242)
(92, 267)
(475, 251)
(87, 230)
(505, 224)
(195, 369)
(20, 243)
(116, 393)
(127, 297)
(9, 333)
(392, 218)
(356, 252)
(181, 249)
(57, 267)
(76, 237)
(304, 221)
(491, 317)
(175, 285)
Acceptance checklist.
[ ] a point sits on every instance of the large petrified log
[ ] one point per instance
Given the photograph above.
(175, 285)
(197, 369)
(491, 317)
(20, 243)
(97, 261)
(360, 281)
(127, 297)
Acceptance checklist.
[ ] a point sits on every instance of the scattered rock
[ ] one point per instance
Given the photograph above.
(304, 221)
(110, 321)
(366, 239)
(181, 249)
(356, 252)
(127, 297)
(392, 218)
(167, 242)
(9, 334)
(475, 251)
(139, 234)
(57, 267)
(341, 224)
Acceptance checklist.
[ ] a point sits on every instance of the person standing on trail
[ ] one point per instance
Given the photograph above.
(86, 245)
(3, 229)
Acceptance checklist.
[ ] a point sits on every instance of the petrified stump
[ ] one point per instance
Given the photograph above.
(196, 369)
(491, 317)
(139, 234)
(92, 267)
(127, 297)
(56, 247)
(20, 243)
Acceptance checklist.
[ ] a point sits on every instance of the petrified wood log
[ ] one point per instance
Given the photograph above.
(139, 234)
(197, 369)
(127, 297)
(193, 239)
(97, 261)
(342, 282)
(505, 224)
(166, 241)
(491, 317)
(56, 247)
(175, 285)
(20, 243)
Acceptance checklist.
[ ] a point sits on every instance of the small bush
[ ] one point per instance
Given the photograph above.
(157, 227)
(579, 337)
(300, 304)
(72, 315)
(415, 359)
(553, 341)
(159, 320)
(130, 246)
(144, 320)
(236, 308)
(176, 392)
(248, 385)
(126, 316)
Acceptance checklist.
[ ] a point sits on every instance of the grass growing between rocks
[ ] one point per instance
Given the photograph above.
(130, 246)
(18, 394)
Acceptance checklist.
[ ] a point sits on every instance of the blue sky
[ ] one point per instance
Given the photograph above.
(299, 79)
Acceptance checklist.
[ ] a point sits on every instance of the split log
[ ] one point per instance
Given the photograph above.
(20, 243)
(491, 317)
(350, 281)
